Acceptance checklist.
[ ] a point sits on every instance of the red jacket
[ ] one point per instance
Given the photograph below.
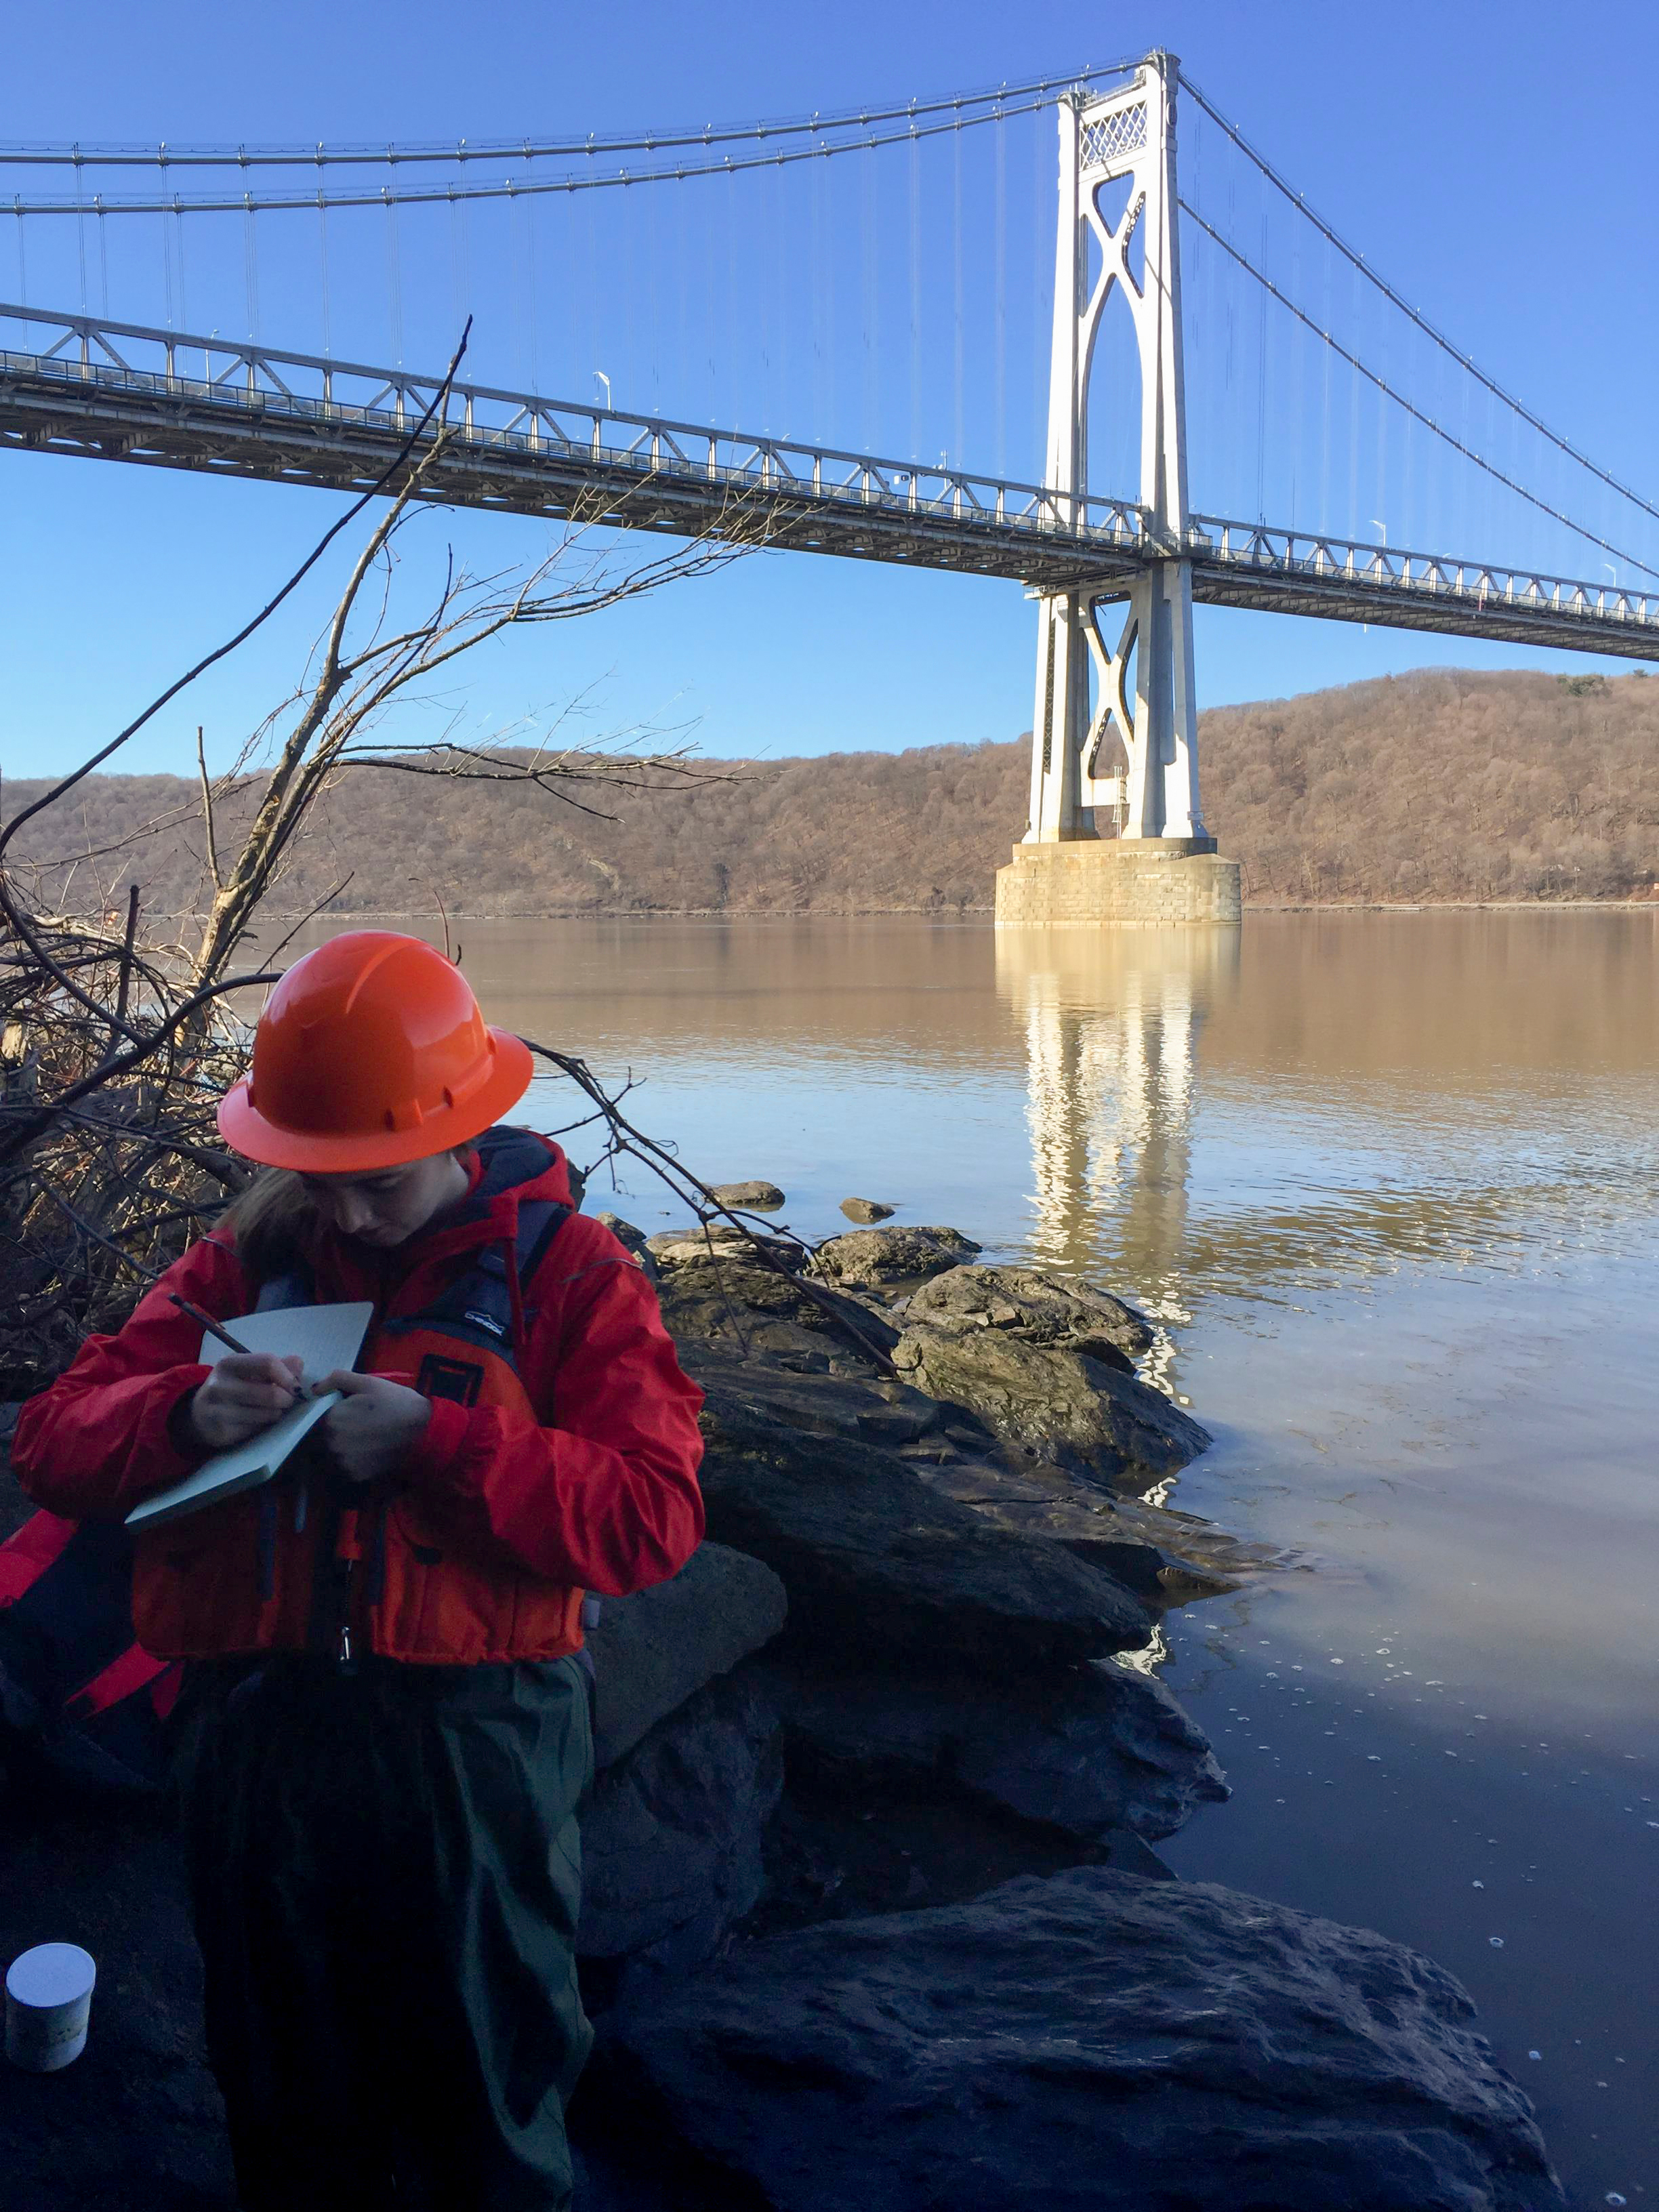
(500, 1516)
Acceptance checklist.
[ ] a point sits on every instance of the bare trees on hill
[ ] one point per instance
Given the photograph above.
(1438, 786)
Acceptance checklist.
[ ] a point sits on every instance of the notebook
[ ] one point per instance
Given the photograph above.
(325, 1338)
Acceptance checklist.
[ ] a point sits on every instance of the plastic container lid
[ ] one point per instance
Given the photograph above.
(50, 1974)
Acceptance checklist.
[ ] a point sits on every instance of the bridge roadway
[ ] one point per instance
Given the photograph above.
(82, 385)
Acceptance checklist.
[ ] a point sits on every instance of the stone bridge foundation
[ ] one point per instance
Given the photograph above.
(1145, 883)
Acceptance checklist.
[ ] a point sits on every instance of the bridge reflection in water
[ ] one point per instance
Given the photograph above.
(1113, 1021)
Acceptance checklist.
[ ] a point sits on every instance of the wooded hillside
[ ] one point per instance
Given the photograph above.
(1443, 785)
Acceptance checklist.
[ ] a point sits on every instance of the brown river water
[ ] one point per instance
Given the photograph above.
(1390, 1184)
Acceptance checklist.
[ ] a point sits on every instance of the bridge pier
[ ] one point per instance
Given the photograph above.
(1115, 836)
(1124, 882)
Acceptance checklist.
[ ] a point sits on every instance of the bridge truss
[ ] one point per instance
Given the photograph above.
(79, 385)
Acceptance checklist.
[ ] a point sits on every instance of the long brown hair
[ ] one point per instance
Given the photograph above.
(273, 1220)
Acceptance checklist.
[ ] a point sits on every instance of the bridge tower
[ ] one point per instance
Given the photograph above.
(1103, 836)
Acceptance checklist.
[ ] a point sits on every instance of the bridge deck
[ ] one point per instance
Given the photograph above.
(124, 392)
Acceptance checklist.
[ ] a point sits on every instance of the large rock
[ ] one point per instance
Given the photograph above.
(1111, 1750)
(699, 1245)
(1168, 1557)
(671, 1836)
(758, 1196)
(739, 1307)
(1042, 1309)
(1086, 2042)
(866, 1211)
(1055, 1404)
(874, 1409)
(653, 1651)
(882, 1257)
(874, 1563)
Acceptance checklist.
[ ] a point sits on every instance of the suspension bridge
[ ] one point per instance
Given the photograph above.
(1204, 327)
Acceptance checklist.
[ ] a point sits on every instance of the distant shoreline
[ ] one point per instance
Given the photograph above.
(970, 913)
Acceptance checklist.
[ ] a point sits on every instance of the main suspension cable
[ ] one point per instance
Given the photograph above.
(508, 188)
(1387, 390)
(165, 157)
(1396, 299)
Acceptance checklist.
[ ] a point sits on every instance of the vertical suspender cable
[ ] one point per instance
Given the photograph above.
(867, 235)
(394, 274)
(1042, 246)
(1351, 529)
(1325, 439)
(322, 263)
(958, 452)
(515, 255)
(250, 267)
(103, 259)
(915, 296)
(1001, 398)
(535, 317)
(1262, 376)
(80, 225)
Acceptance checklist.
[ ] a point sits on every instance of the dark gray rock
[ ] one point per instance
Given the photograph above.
(654, 1650)
(1111, 1749)
(671, 1836)
(874, 1562)
(866, 1211)
(1057, 1405)
(739, 1307)
(1090, 2041)
(876, 1410)
(697, 1245)
(1166, 1557)
(892, 1255)
(757, 1197)
(1042, 1309)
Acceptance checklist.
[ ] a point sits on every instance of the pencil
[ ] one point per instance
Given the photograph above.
(217, 1328)
(212, 1327)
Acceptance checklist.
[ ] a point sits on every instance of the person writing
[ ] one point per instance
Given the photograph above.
(383, 1731)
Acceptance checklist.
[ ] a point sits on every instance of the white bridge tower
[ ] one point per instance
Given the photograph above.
(1139, 638)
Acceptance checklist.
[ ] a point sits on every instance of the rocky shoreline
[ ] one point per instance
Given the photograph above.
(873, 1914)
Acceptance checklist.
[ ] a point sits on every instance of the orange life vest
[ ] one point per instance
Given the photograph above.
(283, 1569)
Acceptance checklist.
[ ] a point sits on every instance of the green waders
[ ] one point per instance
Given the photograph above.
(386, 1873)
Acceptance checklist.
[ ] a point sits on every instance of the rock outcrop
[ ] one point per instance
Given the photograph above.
(672, 1836)
(1055, 1404)
(1084, 2041)
(874, 1561)
(1041, 1308)
(652, 1652)
(1106, 1748)
(758, 1196)
(866, 1211)
(883, 1256)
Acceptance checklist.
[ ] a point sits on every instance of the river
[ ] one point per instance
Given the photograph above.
(1388, 1181)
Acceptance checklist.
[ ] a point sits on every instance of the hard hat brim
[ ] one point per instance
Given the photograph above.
(246, 1130)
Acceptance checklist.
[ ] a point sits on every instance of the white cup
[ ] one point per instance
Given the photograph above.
(48, 1999)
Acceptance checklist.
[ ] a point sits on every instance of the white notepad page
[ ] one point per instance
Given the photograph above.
(325, 1338)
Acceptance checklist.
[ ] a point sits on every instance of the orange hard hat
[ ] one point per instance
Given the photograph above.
(371, 1052)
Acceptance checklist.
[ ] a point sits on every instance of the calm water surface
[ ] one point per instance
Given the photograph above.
(1388, 1182)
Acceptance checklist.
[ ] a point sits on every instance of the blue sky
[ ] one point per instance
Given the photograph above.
(1500, 172)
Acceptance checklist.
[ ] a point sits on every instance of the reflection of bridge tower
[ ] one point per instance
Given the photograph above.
(1111, 1024)
(1124, 771)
